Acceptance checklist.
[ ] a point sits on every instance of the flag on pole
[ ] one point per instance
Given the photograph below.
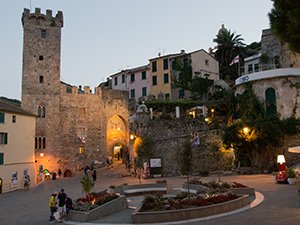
(235, 60)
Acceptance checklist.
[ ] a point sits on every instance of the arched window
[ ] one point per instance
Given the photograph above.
(271, 101)
(41, 111)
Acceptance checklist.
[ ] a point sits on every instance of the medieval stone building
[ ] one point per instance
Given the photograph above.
(74, 127)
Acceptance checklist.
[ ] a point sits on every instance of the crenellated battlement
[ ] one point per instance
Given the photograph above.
(46, 19)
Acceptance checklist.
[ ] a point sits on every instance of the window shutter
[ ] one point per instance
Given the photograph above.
(1, 117)
(1, 158)
(5, 138)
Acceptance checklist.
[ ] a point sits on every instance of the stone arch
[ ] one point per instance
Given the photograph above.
(270, 95)
(117, 134)
(68, 173)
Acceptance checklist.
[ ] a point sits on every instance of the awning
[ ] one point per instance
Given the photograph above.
(294, 149)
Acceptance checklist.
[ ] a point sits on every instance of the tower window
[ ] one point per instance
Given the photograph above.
(43, 33)
(41, 111)
(41, 58)
(41, 79)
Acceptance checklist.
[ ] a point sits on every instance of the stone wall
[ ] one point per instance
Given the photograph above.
(168, 136)
(271, 46)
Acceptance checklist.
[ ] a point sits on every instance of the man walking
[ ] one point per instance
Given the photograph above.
(62, 204)
(52, 205)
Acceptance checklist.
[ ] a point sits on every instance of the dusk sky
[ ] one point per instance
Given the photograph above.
(102, 37)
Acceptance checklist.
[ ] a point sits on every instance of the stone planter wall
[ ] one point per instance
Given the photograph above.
(131, 190)
(113, 206)
(184, 214)
(243, 191)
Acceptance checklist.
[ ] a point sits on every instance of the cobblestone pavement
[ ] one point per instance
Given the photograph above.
(280, 206)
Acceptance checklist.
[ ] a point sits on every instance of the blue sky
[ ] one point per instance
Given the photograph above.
(102, 37)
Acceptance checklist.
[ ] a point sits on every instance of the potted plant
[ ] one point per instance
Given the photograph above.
(291, 175)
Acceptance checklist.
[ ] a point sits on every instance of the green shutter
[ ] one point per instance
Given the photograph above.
(5, 138)
(2, 117)
(1, 158)
(271, 101)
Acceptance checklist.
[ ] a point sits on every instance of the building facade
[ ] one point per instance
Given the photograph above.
(75, 127)
(17, 131)
(160, 81)
(203, 65)
(135, 81)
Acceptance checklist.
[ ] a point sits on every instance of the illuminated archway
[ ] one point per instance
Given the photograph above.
(117, 137)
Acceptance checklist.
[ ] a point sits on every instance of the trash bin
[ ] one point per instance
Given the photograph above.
(53, 176)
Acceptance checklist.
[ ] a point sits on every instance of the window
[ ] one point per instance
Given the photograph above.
(256, 67)
(81, 150)
(123, 78)
(181, 93)
(41, 58)
(154, 80)
(154, 68)
(132, 77)
(132, 93)
(116, 81)
(144, 91)
(43, 33)
(2, 117)
(174, 64)
(68, 90)
(1, 158)
(41, 111)
(167, 96)
(206, 62)
(44, 143)
(166, 64)
(180, 77)
(250, 68)
(41, 79)
(3, 138)
(13, 119)
(185, 62)
(144, 75)
(166, 78)
(40, 142)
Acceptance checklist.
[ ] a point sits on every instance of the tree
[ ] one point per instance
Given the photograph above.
(198, 86)
(186, 161)
(285, 22)
(87, 184)
(229, 45)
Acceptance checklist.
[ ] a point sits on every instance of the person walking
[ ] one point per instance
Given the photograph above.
(94, 176)
(52, 205)
(62, 196)
(26, 182)
(69, 204)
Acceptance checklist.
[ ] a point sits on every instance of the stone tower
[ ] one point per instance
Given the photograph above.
(41, 75)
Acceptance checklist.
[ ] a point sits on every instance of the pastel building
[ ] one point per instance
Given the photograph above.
(17, 131)
(203, 65)
(160, 81)
(135, 81)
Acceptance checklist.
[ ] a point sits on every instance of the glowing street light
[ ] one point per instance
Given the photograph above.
(246, 130)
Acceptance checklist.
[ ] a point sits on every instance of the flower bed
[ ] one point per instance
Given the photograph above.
(93, 200)
(98, 211)
(174, 210)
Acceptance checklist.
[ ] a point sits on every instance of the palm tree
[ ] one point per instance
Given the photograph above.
(229, 45)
